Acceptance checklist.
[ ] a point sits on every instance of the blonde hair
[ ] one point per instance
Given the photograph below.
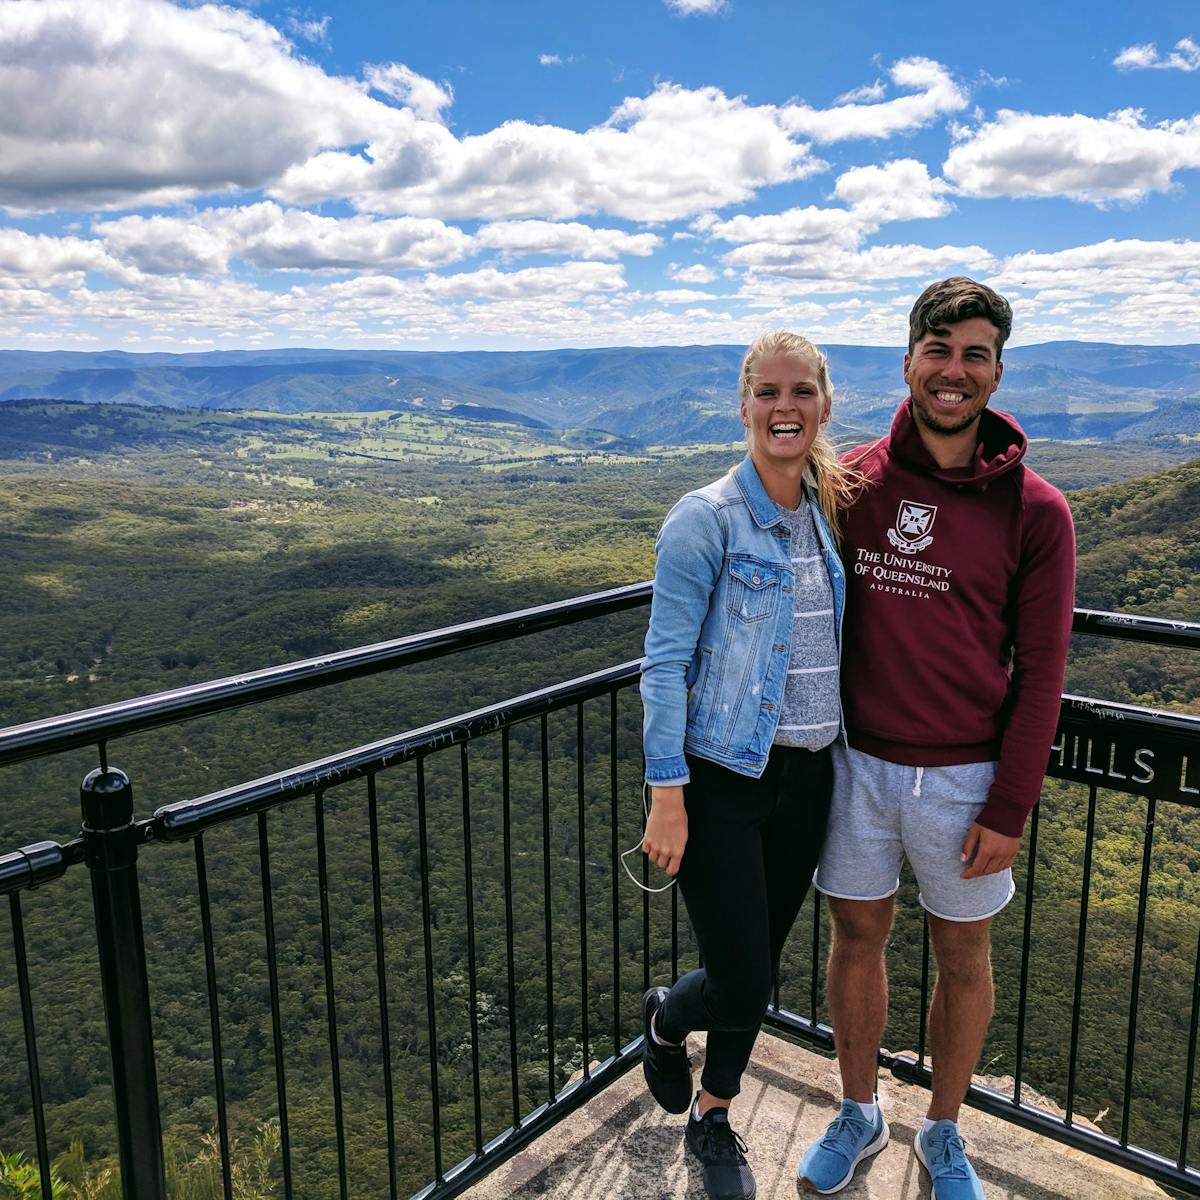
(836, 484)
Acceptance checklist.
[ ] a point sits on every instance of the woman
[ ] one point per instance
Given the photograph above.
(740, 691)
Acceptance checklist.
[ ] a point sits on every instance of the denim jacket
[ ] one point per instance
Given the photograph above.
(720, 627)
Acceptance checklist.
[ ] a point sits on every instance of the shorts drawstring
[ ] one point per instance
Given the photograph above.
(917, 785)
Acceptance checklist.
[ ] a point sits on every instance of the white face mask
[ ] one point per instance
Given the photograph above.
(638, 847)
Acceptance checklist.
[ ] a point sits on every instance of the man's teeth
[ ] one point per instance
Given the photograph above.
(950, 397)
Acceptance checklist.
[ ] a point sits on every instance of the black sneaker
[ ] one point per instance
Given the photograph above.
(722, 1154)
(668, 1069)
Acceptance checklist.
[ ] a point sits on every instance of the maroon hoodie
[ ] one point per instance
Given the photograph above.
(958, 611)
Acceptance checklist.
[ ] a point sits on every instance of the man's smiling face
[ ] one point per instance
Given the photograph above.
(952, 373)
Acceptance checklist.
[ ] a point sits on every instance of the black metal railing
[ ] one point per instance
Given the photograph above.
(491, 844)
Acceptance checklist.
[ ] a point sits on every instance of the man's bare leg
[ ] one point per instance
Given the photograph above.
(960, 1011)
(857, 989)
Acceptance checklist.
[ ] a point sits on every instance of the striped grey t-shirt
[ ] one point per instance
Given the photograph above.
(810, 714)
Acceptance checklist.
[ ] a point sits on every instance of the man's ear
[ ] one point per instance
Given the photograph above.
(907, 364)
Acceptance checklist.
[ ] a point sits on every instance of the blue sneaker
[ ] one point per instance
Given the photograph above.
(828, 1164)
(940, 1150)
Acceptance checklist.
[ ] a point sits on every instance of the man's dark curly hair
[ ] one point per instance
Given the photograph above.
(958, 299)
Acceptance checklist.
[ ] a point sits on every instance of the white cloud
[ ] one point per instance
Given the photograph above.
(841, 270)
(796, 226)
(517, 238)
(689, 8)
(1094, 159)
(423, 96)
(310, 29)
(900, 190)
(272, 238)
(550, 60)
(116, 104)
(572, 280)
(1110, 267)
(49, 262)
(660, 157)
(697, 273)
(871, 92)
(1116, 290)
(935, 95)
(1185, 57)
(681, 296)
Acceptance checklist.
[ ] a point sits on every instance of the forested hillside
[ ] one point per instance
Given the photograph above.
(162, 549)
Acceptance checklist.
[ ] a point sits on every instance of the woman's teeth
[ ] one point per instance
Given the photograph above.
(785, 431)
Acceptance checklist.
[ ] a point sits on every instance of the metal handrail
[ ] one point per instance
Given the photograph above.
(1098, 741)
(186, 818)
(89, 726)
(1156, 630)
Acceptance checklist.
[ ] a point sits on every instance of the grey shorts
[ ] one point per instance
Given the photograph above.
(883, 813)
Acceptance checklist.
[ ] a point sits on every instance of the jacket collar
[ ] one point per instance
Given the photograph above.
(762, 508)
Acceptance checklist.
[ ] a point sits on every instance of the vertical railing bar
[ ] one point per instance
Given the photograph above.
(472, 977)
(1136, 985)
(214, 1018)
(674, 933)
(1080, 947)
(615, 871)
(506, 818)
(385, 1026)
(923, 1019)
(427, 923)
(580, 801)
(31, 1054)
(775, 990)
(1191, 1064)
(335, 1061)
(1023, 986)
(110, 846)
(814, 980)
(285, 1138)
(551, 1074)
(646, 918)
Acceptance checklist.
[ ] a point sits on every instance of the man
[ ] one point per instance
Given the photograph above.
(960, 564)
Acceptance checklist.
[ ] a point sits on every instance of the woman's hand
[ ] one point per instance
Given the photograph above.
(666, 828)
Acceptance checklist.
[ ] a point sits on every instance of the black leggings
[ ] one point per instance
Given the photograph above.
(751, 851)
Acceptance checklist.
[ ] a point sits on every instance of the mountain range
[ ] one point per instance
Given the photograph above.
(662, 394)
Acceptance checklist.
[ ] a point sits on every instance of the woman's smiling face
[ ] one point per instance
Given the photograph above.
(784, 410)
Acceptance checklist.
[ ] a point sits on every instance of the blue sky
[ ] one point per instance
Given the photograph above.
(462, 175)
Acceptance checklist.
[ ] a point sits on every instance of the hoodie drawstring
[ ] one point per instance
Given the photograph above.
(917, 785)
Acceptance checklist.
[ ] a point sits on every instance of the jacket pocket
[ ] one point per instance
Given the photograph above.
(752, 591)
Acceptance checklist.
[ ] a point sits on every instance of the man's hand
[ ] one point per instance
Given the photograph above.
(666, 829)
(985, 852)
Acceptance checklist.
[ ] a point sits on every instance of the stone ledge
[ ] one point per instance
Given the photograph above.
(622, 1145)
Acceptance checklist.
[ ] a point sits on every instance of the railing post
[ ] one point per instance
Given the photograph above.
(110, 841)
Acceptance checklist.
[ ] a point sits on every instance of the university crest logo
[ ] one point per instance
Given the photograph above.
(911, 533)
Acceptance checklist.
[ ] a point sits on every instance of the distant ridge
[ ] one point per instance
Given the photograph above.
(1058, 389)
